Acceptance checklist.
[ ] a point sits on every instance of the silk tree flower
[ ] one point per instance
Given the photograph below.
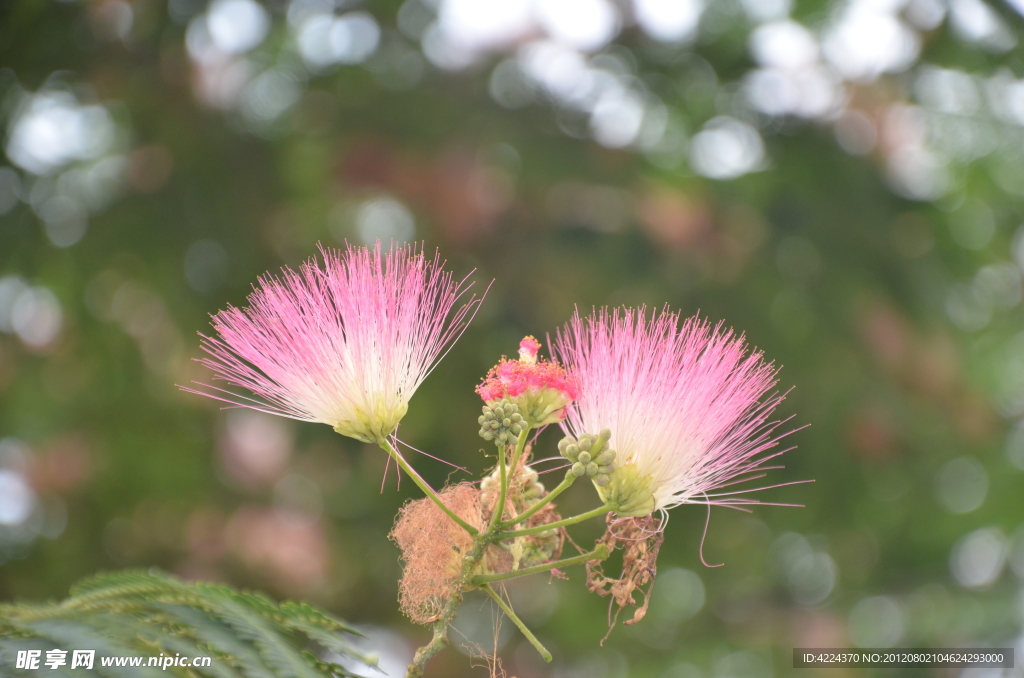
(685, 405)
(344, 342)
(540, 388)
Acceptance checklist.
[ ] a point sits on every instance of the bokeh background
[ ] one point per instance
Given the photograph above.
(841, 180)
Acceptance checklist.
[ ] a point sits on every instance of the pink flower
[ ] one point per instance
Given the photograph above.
(685, 405)
(529, 347)
(542, 390)
(345, 343)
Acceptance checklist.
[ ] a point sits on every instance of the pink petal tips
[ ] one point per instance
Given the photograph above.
(685, 405)
(345, 342)
(542, 389)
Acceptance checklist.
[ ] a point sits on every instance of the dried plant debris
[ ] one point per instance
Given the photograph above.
(433, 547)
(640, 540)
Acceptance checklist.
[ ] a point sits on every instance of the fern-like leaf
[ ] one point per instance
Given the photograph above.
(151, 614)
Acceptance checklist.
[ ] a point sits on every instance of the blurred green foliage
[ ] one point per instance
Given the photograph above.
(131, 614)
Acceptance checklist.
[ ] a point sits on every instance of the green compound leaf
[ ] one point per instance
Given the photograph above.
(148, 614)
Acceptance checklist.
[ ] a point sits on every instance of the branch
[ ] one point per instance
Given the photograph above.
(599, 553)
(525, 515)
(600, 510)
(518, 622)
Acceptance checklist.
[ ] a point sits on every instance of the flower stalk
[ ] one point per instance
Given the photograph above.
(529, 513)
(599, 511)
(518, 622)
(599, 553)
(425, 487)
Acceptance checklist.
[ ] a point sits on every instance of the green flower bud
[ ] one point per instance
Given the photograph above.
(586, 442)
(599, 442)
(584, 458)
(602, 479)
(579, 470)
(534, 491)
(591, 469)
(501, 423)
(564, 443)
(606, 457)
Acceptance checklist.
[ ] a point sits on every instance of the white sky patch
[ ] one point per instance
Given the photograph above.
(974, 21)
(978, 559)
(868, 41)
(237, 26)
(481, 25)
(324, 39)
(587, 25)
(669, 20)
(52, 129)
(726, 149)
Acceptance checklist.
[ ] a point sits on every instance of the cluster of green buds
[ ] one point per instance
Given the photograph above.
(501, 423)
(527, 479)
(536, 548)
(533, 489)
(590, 456)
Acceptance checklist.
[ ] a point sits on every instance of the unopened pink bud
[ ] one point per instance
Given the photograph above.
(528, 349)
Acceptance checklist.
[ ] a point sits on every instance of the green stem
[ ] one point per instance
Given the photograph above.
(599, 553)
(525, 515)
(520, 446)
(518, 622)
(427, 489)
(506, 476)
(561, 523)
(499, 507)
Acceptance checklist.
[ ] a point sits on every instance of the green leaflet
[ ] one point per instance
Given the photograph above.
(138, 613)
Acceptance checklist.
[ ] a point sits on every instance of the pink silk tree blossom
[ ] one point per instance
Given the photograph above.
(685, 403)
(344, 342)
(540, 388)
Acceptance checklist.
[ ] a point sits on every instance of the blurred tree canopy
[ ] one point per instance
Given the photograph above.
(842, 181)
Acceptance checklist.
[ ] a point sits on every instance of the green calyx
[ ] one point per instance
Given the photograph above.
(542, 406)
(376, 427)
(501, 423)
(590, 456)
(630, 491)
